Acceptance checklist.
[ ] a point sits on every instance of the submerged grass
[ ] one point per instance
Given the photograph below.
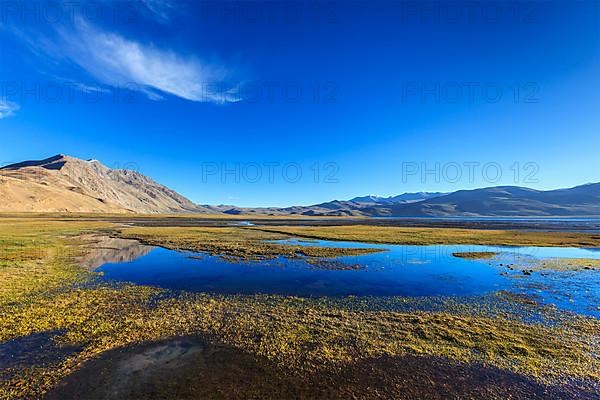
(565, 264)
(41, 291)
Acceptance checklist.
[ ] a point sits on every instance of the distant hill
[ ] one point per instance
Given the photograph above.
(507, 201)
(503, 201)
(67, 184)
(400, 199)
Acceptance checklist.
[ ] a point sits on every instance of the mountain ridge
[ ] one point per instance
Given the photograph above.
(67, 184)
(495, 201)
(401, 198)
(63, 183)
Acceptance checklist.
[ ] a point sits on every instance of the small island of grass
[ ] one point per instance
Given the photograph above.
(476, 255)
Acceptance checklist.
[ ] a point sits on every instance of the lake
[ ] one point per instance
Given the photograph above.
(396, 271)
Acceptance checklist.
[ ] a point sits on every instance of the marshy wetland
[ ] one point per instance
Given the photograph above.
(111, 308)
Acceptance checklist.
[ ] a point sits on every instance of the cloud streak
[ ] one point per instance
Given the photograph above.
(8, 109)
(115, 59)
(161, 8)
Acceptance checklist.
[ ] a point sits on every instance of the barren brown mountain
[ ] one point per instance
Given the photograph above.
(67, 184)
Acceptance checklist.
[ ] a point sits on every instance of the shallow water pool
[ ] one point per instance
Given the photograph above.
(396, 271)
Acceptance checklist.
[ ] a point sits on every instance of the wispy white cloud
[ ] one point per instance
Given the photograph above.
(112, 59)
(8, 108)
(90, 87)
(85, 87)
(161, 8)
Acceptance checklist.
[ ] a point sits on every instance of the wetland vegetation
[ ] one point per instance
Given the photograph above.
(475, 255)
(46, 293)
(435, 236)
(235, 242)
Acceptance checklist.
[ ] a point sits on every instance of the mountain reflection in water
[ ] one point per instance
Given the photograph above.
(105, 250)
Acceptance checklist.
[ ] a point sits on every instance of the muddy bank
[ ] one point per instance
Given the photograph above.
(191, 368)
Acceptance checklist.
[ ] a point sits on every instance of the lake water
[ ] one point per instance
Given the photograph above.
(396, 271)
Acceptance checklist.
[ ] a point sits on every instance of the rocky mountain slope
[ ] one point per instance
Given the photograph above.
(67, 184)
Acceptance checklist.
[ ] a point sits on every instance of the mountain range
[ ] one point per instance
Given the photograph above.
(68, 184)
(400, 199)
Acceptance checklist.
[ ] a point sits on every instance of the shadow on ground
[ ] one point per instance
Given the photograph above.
(36, 349)
(191, 368)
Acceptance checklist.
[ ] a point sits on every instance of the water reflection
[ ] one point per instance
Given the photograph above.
(398, 271)
(107, 250)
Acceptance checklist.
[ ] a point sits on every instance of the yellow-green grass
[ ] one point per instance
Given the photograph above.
(476, 255)
(177, 216)
(36, 256)
(38, 271)
(558, 264)
(232, 242)
(299, 334)
(438, 236)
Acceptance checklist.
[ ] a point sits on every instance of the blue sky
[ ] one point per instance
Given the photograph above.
(243, 102)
